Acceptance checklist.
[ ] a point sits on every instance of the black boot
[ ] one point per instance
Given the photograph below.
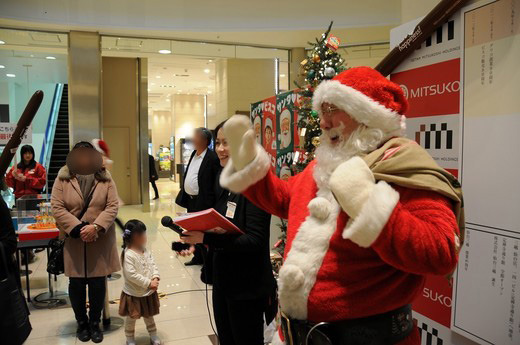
(96, 334)
(83, 331)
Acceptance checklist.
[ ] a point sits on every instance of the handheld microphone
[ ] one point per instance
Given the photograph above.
(167, 221)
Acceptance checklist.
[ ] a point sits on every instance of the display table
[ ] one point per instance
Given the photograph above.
(26, 234)
(26, 246)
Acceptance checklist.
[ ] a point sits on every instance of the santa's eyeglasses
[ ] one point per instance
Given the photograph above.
(329, 110)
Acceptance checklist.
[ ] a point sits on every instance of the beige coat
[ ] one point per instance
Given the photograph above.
(67, 202)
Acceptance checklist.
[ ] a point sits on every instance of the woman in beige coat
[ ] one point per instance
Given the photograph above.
(90, 252)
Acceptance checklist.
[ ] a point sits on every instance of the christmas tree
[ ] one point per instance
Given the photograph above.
(323, 62)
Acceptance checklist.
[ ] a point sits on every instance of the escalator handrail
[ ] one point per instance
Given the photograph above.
(45, 156)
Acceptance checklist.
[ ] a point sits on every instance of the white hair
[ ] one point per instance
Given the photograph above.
(363, 140)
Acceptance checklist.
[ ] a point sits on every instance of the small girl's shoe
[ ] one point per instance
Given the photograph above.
(130, 342)
(154, 340)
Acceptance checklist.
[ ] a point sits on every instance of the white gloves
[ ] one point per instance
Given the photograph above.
(241, 139)
(352, 183)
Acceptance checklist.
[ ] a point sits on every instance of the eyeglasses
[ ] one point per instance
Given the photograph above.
(328, 110)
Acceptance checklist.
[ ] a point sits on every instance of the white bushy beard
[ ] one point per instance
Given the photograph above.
(328, 156)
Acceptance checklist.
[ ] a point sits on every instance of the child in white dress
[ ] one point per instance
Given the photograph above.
(139, 297)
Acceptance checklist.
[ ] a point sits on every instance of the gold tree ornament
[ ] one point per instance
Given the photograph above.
(316, 141)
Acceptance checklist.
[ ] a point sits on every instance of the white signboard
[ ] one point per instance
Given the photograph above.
(487, 295)
(7, 130)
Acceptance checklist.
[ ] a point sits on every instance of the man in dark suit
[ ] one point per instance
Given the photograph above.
(153, 176)
(198, 192)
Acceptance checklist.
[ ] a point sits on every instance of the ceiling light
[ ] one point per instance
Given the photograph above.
(165, 51)
(149, 90)
(282, 75)
(50, 58)
(2, 42)
(2, 66)
(209, 105)
(209, 92)
(10, 75)
(158, 76)
(206, 70)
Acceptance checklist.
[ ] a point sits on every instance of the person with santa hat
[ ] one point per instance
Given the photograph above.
(368, 219)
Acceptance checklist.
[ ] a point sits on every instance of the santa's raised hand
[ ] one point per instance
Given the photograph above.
(241, 139)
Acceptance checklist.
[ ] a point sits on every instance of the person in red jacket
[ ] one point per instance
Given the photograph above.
(358, 246)
(28, 176)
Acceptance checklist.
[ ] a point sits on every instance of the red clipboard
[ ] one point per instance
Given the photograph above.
(208, 221)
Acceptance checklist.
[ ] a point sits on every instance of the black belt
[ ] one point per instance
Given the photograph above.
(383, 329)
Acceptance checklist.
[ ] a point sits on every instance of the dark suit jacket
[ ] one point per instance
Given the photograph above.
(153, 176)
(241, 263)
(208, 171)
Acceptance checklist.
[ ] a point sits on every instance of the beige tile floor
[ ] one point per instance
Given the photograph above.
(183, 319)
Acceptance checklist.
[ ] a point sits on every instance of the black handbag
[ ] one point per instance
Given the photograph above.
(56, 263)
(15, 326)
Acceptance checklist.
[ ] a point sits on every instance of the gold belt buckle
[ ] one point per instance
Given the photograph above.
(288, 325)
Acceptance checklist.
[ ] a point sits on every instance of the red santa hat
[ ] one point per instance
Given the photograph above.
(102, 147)
(366, 96)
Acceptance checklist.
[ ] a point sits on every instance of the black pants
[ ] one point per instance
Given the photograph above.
(239, 322)
(200, 250)
(96, 297)
(154, 186)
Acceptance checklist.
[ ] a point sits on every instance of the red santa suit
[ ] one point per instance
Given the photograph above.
(337, 268)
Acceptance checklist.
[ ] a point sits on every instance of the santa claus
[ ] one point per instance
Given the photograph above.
(285, 129)
(367, 220)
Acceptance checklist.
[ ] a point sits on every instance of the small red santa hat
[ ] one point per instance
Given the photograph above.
(366, 96)
(102, 147)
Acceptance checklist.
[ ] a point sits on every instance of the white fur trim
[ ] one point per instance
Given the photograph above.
(362, 108)
(374, 215)
(308, 249)
(319, 207)
(238, 181)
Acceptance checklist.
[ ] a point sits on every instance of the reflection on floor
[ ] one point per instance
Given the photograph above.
(183, 319)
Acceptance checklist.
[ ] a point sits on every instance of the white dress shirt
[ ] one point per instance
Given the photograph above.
(191, 184)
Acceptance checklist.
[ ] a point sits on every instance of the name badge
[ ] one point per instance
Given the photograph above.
(231, 207)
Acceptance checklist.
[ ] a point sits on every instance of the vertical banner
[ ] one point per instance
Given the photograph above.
(287, 133)
(430, 79)
(487, 282)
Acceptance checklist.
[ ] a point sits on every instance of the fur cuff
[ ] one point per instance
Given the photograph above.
(238, 181)
(365, 229)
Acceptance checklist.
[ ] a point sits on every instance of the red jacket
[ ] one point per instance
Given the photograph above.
(326, 275)
(34, 180)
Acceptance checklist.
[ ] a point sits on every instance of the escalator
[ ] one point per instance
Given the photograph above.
(60, 146)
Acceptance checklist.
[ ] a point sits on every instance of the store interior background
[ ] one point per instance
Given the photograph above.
(207, 77)
(197, 79)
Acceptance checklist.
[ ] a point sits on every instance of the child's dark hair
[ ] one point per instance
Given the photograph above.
(132, 227)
